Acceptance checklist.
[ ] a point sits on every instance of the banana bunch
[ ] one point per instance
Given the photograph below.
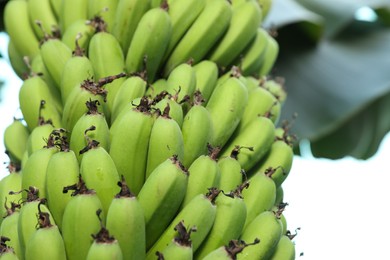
(151, 130)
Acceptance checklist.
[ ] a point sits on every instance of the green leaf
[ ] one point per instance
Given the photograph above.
(339, 86)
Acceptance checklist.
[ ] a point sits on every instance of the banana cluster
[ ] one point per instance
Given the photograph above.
(151, 130)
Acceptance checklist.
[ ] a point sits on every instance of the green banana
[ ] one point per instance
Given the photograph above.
(253, 54)
(128, 15)
(99, 172)
(183, 14)
(232, 174)
(19, 29)
(34, 171)
(79, 220)
(199, 213)
(228, 224)
(285, 249)
(104, 246)
(91, 118)
(180, 247)
(75, 108)
(161, 196)
(38, 136)
(37, 101)
(226, 107)
(85, 28)
(75, 71)
(47, 235)
(202, 35)
(126, 222)
(42, 17)
(276, 87)
(230, 251)
(106, 56)
(206, 74)
(165, 141)
(175, 107)
(133, 87)
(196, 130)
(203, 174)
(279, 195)
(6, 251)
(27, 221)
(265, 6)
(55, 54)
(62, 169)
(156, 88)
(266, 227)
(270, 56)
(259, 196)
(129, 141)
(259, 135)
(11, 182)
(71, 11)
(9, 226)
(56, 6)
(149, 43)
(181, 80)
(245, 20)
(106, 9)
(16, 61)
(15, 138)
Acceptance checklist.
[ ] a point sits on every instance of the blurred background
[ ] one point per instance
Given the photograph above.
(335, 59)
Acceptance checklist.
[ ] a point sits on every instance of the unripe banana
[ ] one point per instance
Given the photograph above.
(84, 28)
(75, 108)
(55, 54)
(276, 87)
(205, 31)
(16, 60)
(106, 9)
(228, 224)
(199, 213)
(231, 173)
(72, 11)
(175, 107)
(226, 107)
(203, 174)
(107, 59)
(41, 11)
(62, 169)
(34, 172)
(266, 227)
(156, 88)
(182, 80)
(270, 56)
(265, 6)
(279, 195)
(245, 20)
(196, 130)
(56, 6)
(127, 16)
(15, 139)
(252, 57)
(180, 247)
(36, 100)
(75, 71)
(285, 249)
(91, 118)
(259, 196)
(27, 221)
(230, 251)
(19, 29)
(9, 227)
(99, 172)
(11, 182)
(206, 74)
(79, 220)
(38, 137)
(133, 87)
(258, 135)
(149, 43)
(104, 246)
(47, 235)
(165, 141)
(126, 222)
(7, 252)
(161, 196)
(130, 136)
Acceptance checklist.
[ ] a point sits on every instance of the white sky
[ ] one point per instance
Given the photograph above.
(340, 206)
